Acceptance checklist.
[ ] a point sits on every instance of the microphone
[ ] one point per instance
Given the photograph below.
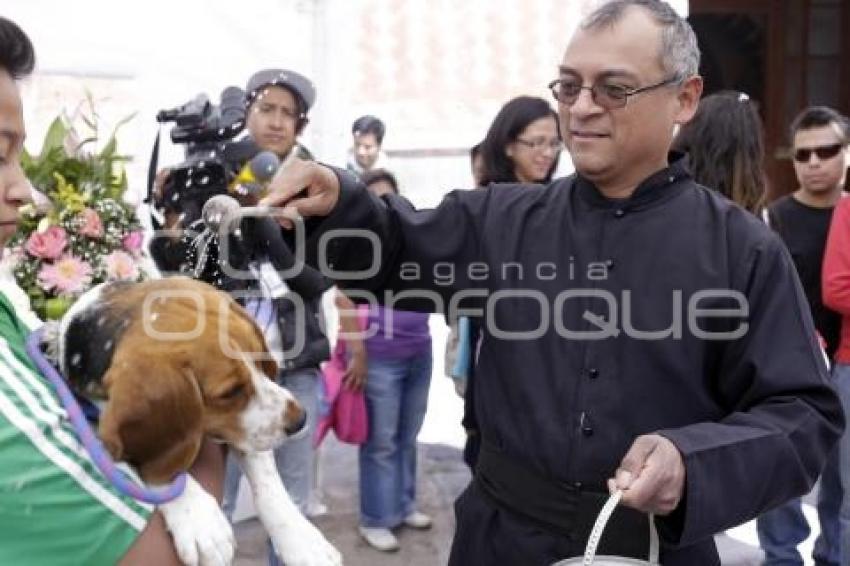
(255, 174)
(216, 209)
(223, 215)
(239, 151)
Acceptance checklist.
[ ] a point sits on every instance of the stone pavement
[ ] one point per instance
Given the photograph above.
(442, 476)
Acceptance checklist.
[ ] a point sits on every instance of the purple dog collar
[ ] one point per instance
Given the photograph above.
(99, 455)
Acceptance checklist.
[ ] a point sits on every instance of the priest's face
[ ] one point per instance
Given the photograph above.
(618, 143)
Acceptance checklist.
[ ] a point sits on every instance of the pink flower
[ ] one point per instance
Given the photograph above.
(120, 266)
(92, 225)
(48, 244)
(67, 276)
(133, 241)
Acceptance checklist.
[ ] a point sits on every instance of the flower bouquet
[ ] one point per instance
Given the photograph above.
(83, 233)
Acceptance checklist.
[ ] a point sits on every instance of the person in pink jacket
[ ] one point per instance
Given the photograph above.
(835, 281)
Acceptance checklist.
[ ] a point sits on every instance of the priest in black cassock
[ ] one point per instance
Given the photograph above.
(640, 332)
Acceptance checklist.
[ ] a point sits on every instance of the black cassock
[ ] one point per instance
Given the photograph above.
(672, 311)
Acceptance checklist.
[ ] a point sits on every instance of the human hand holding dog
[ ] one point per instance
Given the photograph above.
(303, 188)
(651, 476)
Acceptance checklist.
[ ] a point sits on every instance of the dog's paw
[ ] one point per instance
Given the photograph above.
(305, 545)
(202, 536)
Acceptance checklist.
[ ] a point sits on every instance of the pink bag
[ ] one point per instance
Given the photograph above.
(346, 413)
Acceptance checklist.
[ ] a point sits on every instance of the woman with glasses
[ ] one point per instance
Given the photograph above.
(522, 144)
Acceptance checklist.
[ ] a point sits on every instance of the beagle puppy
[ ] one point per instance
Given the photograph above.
(171, 361)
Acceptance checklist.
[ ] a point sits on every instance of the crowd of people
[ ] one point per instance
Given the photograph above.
(651, 326)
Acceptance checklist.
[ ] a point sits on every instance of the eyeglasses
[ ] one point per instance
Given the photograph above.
(824, 152)
(606, 95)
(538, 144)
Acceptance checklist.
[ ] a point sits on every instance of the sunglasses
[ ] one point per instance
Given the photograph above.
(824, 152)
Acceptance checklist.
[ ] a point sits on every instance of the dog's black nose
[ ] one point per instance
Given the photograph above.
(296, 418)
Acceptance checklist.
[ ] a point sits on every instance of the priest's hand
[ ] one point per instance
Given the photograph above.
(302, 188)
(651, 476)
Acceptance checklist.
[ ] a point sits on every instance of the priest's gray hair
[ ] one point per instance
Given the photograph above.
(679, 50)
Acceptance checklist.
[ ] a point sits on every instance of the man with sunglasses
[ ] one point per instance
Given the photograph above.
(589, 380)
(802, 220)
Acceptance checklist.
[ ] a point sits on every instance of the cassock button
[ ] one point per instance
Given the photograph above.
(609, 264)
(587, 430)
(593, 373)
(619, 213)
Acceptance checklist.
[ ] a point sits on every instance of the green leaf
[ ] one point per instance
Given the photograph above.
(122, 186)
(26, 159)
(110, 148)
(92, 126)
(54, 138)
(121, 122)
(54, 308)
(90, 99)
(84, 142)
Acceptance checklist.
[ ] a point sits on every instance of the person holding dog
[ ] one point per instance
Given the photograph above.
(55, 508)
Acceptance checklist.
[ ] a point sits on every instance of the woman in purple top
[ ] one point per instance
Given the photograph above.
(398, 373)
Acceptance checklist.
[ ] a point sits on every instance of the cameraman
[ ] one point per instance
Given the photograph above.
(277, 102)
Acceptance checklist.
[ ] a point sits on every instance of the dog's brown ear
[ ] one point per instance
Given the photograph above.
(154, 418)
(269, 367)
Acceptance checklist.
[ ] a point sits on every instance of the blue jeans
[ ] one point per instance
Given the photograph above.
(294, 458)
(396, 399)
(782, 529)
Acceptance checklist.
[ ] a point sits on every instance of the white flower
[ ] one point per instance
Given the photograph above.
(19, 299)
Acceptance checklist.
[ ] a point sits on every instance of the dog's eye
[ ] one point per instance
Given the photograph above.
(235, 391)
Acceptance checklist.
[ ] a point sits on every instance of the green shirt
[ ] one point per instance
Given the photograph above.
(55, 506)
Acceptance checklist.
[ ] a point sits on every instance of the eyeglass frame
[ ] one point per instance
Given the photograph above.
(554, 145)
(593, 91)
(837, 148)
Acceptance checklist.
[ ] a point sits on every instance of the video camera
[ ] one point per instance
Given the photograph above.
(212, 159)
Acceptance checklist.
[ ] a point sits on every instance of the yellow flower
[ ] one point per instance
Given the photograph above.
(67, 196)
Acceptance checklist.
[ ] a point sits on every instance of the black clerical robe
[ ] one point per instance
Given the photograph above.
(673, 311)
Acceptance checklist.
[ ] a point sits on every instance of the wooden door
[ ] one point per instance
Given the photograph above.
(786, 54)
